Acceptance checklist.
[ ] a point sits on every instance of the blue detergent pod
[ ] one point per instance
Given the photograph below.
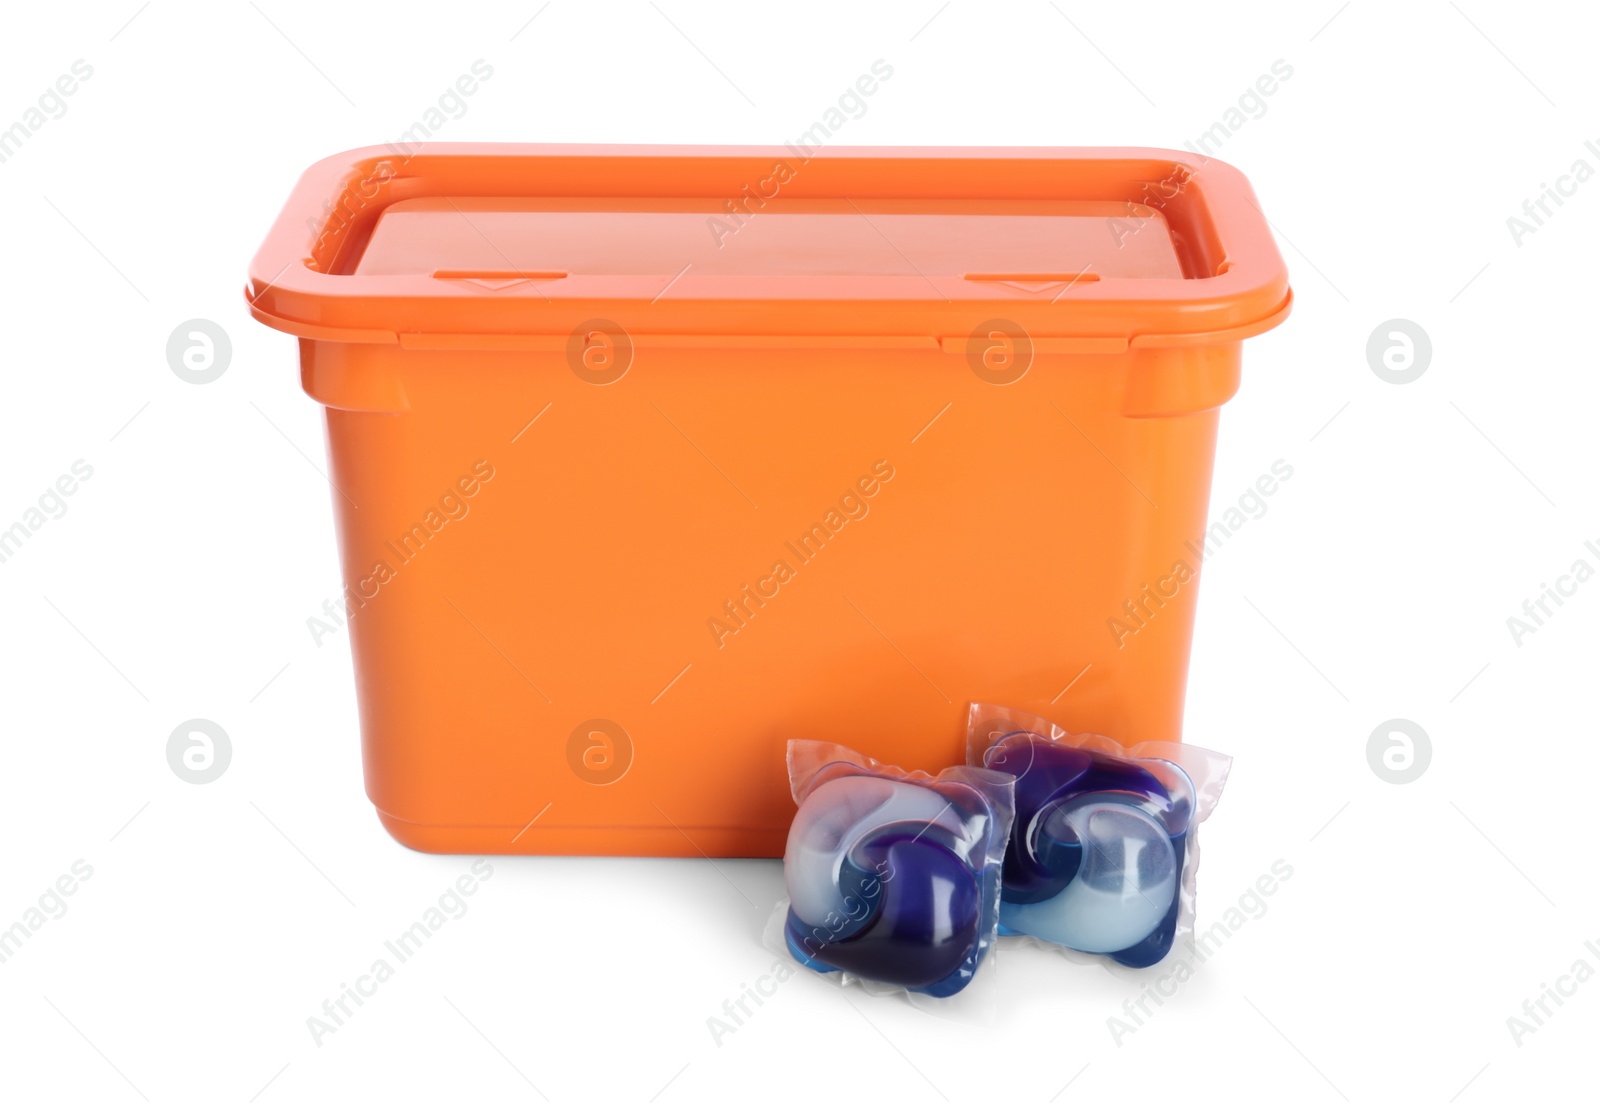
(895, 878)
(1048, 773)
(927, 922)
(1096, 854)
(1125, 878)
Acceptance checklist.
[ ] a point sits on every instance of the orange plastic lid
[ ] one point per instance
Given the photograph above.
(488, 246)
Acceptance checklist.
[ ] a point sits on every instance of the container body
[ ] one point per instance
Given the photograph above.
(611, 537)
(728, 549)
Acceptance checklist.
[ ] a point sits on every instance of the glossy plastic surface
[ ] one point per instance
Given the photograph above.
(830, 828)
(586, 616)
(893, 877)
(1097, 847)
(1124, 879)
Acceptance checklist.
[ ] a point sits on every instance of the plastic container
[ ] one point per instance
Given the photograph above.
(650, 459)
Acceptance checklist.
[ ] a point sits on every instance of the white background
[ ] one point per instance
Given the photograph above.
(218, 917)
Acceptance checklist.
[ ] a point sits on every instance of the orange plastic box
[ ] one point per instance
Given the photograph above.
(649, 459)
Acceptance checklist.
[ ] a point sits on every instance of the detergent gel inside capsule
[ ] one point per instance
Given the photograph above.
(1102, 853)
(893, 876)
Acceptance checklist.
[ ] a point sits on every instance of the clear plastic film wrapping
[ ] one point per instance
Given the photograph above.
(1104, 841)
(893, 875)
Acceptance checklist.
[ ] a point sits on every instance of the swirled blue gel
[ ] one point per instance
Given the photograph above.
(1125, 880)
(1095, 857)
(887, 880)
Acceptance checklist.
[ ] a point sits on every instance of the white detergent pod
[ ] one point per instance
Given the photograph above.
(833, 818)
(1123, 888)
